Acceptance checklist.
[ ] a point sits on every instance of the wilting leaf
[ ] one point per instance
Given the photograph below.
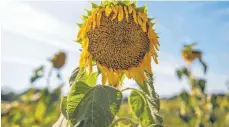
(179, 74)
(37, 73)
(144, 109)
(78, 90)
(97, 108)
(185, 97)
(73, 75)
(63, 106)
(201, 84)
(83, 76)
(146, 105)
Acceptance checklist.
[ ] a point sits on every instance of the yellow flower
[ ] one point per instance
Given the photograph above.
(120, 39)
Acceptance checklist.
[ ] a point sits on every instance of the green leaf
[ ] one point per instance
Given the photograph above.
(37, 73)
(97, 108)
(179, 73)
(63, 106)
(77, 92)
(139, 106)
(89, 79)
(83, 76)
(185, 71)
(202, 84)
(185, 97)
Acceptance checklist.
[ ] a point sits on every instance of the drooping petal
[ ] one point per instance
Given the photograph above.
(108, 10)
(115, 10)
(130, 9)
(126, 13)
(135, 17)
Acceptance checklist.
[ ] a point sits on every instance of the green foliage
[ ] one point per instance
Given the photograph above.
(185, 97)
(97, 108)
(146, 104)
(35, 107)
(37, 74)
(78, 90)
(63, 106)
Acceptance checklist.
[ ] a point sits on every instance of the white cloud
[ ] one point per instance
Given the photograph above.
(24, 20)
(18, 60)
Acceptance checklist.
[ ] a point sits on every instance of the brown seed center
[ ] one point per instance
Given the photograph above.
(118, 45)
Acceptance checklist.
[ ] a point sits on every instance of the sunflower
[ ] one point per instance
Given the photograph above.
(189, 54)
(58, 60)
(119, 38)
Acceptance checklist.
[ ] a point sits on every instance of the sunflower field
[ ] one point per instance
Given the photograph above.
(118, 42)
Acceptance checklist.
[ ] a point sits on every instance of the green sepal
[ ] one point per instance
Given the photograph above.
(84, 17)
(78, 40)
(80, 25)
(150, 19)
(133, 4)
(93, 5)
(88, 12)
(127, 2)
(142, 9)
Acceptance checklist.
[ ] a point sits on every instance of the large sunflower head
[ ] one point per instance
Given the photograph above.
(119, 38)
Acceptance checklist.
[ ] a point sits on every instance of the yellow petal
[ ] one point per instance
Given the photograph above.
(115, 10)
(139, 75)
(143, 16)
(99, 14)
(110, 75)
(90, 63)
(88, 26)
(155, 59)
(130, 9)
(126, 13)
(139, 20)
(120, 13)
(148, 63)
(135, 16)
(143, 26)
(116, 79)
(108, 10)
(104, 78)
(94, 21)
(81, 31)
(85, 43)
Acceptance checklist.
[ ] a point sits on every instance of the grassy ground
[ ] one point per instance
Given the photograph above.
(170, 113)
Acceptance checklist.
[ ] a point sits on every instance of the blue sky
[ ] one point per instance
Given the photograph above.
(33, 31)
